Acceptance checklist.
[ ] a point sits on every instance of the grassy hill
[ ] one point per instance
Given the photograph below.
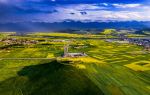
(50, 78)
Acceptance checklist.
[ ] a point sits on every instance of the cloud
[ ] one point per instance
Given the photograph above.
(126, 5)
(4, 1)
(83, 13)
(95, 12)
(10, 1)
(105, 4)
(53, 0)
(75, 12)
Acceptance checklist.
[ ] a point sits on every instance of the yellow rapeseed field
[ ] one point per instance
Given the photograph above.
(137, 67)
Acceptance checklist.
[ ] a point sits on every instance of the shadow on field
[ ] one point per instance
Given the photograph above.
(49, 79)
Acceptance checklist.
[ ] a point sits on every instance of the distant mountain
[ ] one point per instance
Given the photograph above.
(71, 25)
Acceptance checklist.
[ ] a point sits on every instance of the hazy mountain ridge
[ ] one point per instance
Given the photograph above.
(71, 25)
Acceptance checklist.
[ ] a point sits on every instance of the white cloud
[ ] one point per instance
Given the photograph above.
(4, 1)
(126, 5)
(102, 14)
(94, 12)
(53, 0)
(105, 4)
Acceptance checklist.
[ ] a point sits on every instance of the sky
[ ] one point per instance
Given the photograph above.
(50, 11)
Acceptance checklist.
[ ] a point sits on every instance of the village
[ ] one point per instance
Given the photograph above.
(143, 42)
(14, 41)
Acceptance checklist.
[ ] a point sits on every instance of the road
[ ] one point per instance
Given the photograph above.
(26, 58)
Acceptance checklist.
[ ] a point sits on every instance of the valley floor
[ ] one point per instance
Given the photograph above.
(110, 68)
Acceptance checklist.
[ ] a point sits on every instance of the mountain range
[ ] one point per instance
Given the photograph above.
(71, 25)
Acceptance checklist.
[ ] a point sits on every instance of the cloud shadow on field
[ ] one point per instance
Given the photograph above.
(51, 78)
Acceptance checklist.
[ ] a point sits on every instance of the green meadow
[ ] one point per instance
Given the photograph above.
(110, 68)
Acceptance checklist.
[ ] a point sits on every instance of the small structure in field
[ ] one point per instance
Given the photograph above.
(147, 47)
(67, 54)
(74, 55)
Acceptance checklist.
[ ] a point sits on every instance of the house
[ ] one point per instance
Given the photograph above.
(74, 55)
(67, 54)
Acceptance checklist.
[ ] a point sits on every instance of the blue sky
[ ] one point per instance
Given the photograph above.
(50, 11)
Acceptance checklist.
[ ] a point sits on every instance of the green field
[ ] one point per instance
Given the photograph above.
(110, 68)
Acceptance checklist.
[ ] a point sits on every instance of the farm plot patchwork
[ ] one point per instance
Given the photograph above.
(109, 69)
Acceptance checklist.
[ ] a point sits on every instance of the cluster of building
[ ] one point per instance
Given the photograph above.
(141, 42)
(144, 42)
(75, 54)
(12, 41)
(58, 40)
